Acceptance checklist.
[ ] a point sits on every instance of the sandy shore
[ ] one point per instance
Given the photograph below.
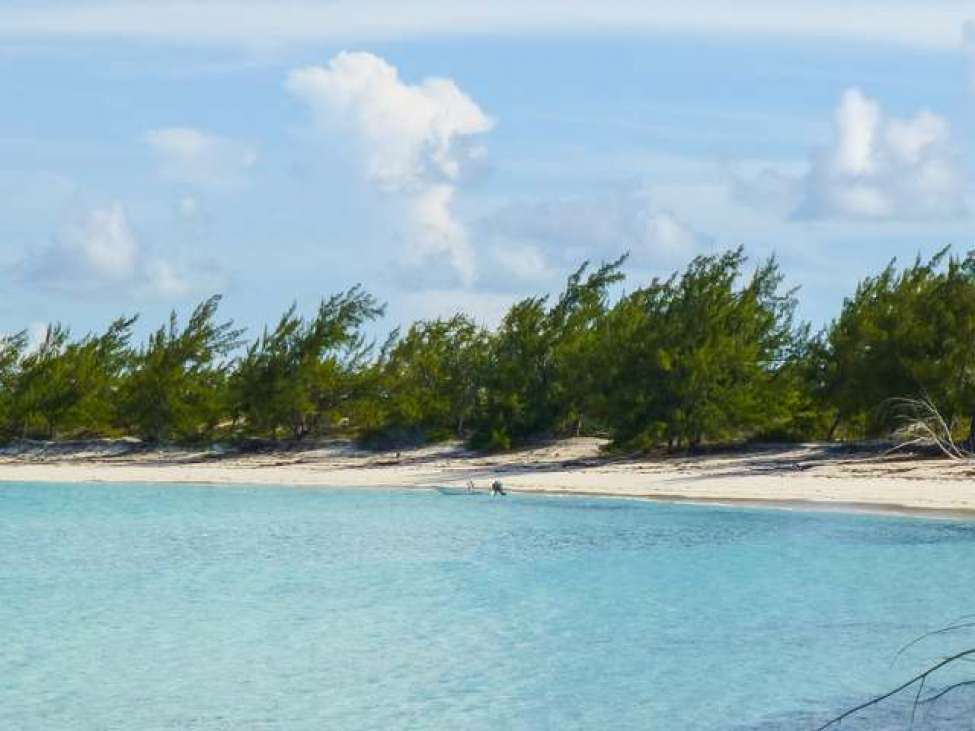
(819, 476)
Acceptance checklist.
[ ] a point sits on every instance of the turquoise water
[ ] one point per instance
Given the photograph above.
(162, 607)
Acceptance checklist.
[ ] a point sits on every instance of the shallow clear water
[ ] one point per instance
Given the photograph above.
(164, 607)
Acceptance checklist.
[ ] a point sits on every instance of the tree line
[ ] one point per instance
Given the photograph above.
(711, 354)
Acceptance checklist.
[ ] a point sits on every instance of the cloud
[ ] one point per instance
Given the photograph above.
(102, 252)
(162, 278)
(188, 155)
(436, 231)
(664, 232)
(523, 262)
(930, 24)
(417, 143)
(877, 167)
(572, 229)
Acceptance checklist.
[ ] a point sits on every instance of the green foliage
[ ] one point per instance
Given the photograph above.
(710, 354)
(298, 376)
(903, 334)
(44, 390)
(66, 388)
(539, 377)
(431, 378)
(697, 357)
(12, 349)
(176, 385)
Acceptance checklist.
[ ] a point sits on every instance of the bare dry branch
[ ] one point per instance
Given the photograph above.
(920, 422)
(919, 678)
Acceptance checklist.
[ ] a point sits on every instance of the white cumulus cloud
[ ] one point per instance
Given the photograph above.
(188, 155)
(105, 245)
(101, 251)
(416, 141)
(877, 167)
(665, 232)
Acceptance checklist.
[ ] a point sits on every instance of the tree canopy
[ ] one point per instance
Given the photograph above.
(712, 353)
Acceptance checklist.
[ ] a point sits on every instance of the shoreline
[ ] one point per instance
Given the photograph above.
(798, 505)
(892, 510)
(792, 477)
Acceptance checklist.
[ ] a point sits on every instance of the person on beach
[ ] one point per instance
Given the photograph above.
(497, 489)
(470, 486)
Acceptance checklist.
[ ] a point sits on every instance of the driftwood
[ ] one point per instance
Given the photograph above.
(922, 423)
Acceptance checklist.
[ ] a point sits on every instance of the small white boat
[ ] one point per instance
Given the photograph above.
(458, 491)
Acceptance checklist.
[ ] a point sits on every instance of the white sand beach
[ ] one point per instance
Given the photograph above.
(810, 476)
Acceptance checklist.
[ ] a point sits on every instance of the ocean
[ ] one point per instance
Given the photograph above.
(201, 607)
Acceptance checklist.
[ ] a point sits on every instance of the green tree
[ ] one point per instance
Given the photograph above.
(176, 387)
(904, 334)
(70, 387)
(539, 364)
(12, 349)
(298, 376)
(575, 321)
(44, 391)
(697, 357)
(431, 378)
(97, 364)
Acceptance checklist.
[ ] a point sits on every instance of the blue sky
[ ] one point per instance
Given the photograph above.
(458, 156)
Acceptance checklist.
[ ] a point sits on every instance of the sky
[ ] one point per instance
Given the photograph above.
(462, 155)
